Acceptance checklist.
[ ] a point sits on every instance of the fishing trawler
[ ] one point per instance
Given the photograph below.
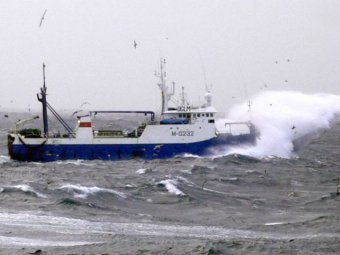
(184, 129)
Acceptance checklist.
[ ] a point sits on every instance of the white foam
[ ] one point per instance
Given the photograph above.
(47, 227)
(189, 155)
(27, 189)
(281, 117)
(143, 170)
(20, 241)
(4, 159)
(83, 191)
(274, 223)
(78, 162)
(170, 185)
(186, 171)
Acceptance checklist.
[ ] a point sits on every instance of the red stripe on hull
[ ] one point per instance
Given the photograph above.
(85, 124)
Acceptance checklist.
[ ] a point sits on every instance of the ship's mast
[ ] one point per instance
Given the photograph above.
(183, 97)
(166, 94)
(43, 100)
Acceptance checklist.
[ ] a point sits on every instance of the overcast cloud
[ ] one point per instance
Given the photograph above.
(243, 46)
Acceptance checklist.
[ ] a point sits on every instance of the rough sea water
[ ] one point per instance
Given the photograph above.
(278, 197)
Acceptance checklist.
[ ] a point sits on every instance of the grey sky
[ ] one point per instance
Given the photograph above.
(245, 46)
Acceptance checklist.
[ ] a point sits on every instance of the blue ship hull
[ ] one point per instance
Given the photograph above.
(185, 129)
(46, 153)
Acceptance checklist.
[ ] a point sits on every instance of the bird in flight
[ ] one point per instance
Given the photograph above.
(135, 44)
(84, 104)
(42, 18)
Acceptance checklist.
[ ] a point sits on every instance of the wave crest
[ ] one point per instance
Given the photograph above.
(282, 117)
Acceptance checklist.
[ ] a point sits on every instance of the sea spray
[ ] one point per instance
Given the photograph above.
(280, 117)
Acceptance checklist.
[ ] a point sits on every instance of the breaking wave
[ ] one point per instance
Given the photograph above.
(22, 188)
(79, 191)
(281, 117)
(171, 186)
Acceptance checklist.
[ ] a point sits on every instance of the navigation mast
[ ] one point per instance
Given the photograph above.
(166, 94)
(43, 100)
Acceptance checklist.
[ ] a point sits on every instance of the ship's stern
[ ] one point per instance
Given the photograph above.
(10, 142)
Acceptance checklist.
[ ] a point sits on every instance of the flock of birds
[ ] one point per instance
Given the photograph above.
(43, 17)
(135, 46)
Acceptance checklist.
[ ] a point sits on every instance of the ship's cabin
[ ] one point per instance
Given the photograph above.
(201, 115)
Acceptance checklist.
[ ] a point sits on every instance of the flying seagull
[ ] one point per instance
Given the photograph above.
(135, 44)
(42, 18)
(84, 104)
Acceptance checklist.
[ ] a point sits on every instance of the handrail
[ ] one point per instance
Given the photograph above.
(144, 112)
